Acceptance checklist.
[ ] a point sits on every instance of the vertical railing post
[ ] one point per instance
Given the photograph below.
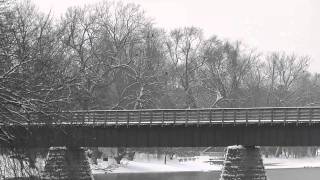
(259, 117)
(151, 118)
(117, 118)
(222, 117)
(272, 115)
(94, 117)
(210, 116)
(72, 117)
(83, 116)
(128, 118)
(86, 113)
(87, 117)
(106, 117)
(310, 115)
(187, 118)
(139, 117)
(198, 122)
(298, 117)
(262, 115)
(234, 117)
(162, 118)
(285, 116)
(79, 117)
(247, 118)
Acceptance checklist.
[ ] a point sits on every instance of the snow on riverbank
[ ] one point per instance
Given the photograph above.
(140, 166)
(278, 163)
(200, 164)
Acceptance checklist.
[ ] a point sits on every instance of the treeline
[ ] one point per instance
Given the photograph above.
(111, 56)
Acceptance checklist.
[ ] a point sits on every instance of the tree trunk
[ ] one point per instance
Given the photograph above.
(278, 151)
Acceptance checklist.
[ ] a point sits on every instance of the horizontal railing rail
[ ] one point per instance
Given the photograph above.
(172, 116)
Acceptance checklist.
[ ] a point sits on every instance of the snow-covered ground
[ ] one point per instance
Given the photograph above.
(278, 163)
(200, 164)
(139, 166)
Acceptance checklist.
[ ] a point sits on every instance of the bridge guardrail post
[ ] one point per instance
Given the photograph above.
(139, 117)
(285, 116)
(210, 117)
(246, 117)
(117, 118)
(262, 114)
(234, 117)
(106, 118)
(187, 118)
(222, 117)
(94, 115)
(162, 118)
(298, 116)
(71, 117)
(84, 116)
(259, 117)
(151, 117)
(89, 117)
(272, 116)
(198, 122)
(128, 119)
(310, 116)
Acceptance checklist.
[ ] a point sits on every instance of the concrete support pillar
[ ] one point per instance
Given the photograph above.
(67, 163)
(243, 163)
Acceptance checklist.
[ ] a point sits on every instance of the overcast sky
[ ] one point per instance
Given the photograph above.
(267, 25)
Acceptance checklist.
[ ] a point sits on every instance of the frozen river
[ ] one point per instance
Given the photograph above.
(272, 174)
(276, 169)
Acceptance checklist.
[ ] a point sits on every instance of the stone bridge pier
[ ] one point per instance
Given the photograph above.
(243, 163)
(67, 163)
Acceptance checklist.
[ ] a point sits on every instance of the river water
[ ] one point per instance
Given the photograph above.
(273, 174)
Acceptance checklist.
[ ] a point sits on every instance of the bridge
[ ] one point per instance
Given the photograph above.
(265, 126)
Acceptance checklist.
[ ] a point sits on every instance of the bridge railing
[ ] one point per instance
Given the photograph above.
(179, 116)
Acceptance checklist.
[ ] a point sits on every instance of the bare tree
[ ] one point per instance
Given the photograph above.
(32, 76)
(224, 70)
(183, 49)
(78, 28)
(27, 80)
(283, 72)
(255, 86)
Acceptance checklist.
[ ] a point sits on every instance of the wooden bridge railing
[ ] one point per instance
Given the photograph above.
(183, 116)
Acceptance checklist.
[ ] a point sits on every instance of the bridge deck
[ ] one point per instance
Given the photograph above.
(168, 128)
(181, 116)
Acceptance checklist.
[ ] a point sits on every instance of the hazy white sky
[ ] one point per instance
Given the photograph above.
(268, 25)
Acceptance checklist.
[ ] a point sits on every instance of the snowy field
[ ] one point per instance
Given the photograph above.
(287, 163)
(139, 166)
(200, 164)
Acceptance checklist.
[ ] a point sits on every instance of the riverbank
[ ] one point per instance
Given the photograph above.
(198, 164)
